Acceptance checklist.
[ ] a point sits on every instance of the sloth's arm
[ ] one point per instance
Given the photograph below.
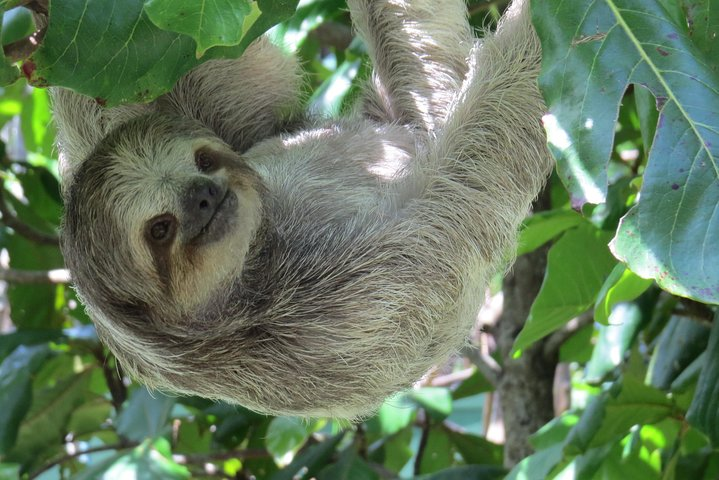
(491, 155)
(484, 166)
(243, 100)
(419, 51)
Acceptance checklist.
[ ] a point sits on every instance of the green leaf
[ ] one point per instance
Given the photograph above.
(438, 452)
(395, 451)
(349, 467)
(476, 449)
(151, 460)
(537, 465)
(9, 471)
(390, 419)
(37, 127)
(11, 341)
(579, 347)
(577, 266)
(89, 417)
(17, 24)
(681, 341)
(475, 384)
(145, 415)
(16, 391)
(209, 23)
(436, 401)
(310, 461)
(554, 432)
(704, 410)
(592, 51)
(613, 341)
(48, 417)
(544, 226)
(703, 21)
(613, 413)
(286, 434)
(622, 285)
(689, 375)
(263, 467)
(473, 472)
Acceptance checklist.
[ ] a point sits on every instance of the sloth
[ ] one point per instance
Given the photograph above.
(228, 245)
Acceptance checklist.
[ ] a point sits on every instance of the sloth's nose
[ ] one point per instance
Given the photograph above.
(201, 200)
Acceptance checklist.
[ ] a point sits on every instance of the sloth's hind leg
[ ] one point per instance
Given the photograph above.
(419, 52)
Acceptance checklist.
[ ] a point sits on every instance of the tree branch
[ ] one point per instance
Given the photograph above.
(486, 365)
(57, 276)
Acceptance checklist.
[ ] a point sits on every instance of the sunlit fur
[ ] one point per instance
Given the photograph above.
(360, 248)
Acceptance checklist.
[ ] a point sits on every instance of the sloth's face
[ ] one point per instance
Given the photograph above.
(191, 216)
(161, 216)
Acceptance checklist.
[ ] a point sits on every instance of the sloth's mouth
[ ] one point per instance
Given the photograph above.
(219, 223)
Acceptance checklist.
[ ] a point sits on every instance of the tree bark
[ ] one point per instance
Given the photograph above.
(525, 385)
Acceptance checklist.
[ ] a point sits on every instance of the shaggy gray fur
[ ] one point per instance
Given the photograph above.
(339, 259)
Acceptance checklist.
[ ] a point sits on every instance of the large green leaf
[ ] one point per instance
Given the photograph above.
(438, 452)
(112, 51)
(704, 410)
(209, 23)
(593, 51)
(613, 413)
(681, 341)
(577, 266)
(46, 421)
(109, 50)
(15, 390)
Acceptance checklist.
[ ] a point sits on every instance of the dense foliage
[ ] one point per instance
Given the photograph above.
(627, 307)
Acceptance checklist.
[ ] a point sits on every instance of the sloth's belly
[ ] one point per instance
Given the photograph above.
(340, 173)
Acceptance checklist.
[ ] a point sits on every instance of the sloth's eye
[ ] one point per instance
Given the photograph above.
(204, 161)
(161, 230)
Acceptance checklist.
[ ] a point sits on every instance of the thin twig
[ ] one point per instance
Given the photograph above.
(694, 310)
(451, 378)
(199, 458)
(57, 276)
(113, 378)
(422, 443)
(70, 456)
(486, 365)
(11, 220)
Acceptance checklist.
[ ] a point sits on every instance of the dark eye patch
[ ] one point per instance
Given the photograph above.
(161, 230)
(206, 161)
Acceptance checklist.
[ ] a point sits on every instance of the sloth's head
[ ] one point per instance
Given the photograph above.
(162, 212)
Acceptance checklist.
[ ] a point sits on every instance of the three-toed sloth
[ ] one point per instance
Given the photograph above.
(226, 245)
